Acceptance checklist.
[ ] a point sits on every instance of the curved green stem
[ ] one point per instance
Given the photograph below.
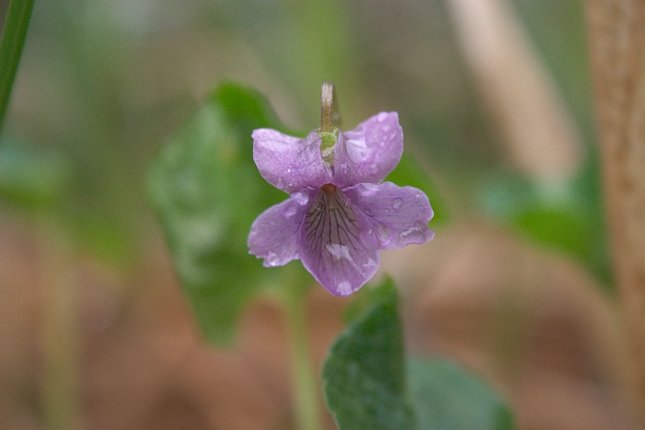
(11, 43)
(305, 388)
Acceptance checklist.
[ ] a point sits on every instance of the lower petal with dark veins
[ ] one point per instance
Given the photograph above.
(335, 246)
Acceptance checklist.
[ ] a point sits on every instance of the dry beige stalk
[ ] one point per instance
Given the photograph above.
(539, 133)
(617, 42)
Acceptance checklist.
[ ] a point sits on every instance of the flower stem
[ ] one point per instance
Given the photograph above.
(11, 43)
(304, 384)
(329, 112)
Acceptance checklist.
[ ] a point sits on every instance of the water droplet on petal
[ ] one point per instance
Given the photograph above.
(291, 211)
(381, 117)
(369, 189)
(272, 259)
(414, 234)
(300, 198)
(357, 149)
(344, 288)
(397, 203)
(384, 233)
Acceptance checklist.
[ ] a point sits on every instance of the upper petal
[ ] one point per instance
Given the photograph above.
(370, 151)
(289, 163)
(275, 234)
(335, 246)
(398, 215)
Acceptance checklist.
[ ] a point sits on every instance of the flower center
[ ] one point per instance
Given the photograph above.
(329, 189)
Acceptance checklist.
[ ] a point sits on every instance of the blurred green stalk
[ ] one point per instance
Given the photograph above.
(61, 365)
(305, 388)
(11, 44)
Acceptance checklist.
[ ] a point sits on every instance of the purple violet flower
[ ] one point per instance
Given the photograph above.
(339, 213)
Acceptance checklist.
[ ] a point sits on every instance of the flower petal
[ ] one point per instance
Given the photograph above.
(370, 151)
(289, 163)
(275, 234)
(399, 215)
(335, 246)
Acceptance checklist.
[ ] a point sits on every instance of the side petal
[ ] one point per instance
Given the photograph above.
(370, 151)
(334, 245)
(275, 234)
(289, 163)
(398, 215)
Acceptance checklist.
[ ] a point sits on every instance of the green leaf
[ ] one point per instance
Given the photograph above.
(447, 397)
(557, 220)
(363, 300)
(364, 376)
(567, 217)
(207, 191)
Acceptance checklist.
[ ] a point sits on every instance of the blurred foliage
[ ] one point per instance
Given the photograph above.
(575, 222)
(557, 30)
(369, 384)
(102, 82)
(32, 179)
(565, 217)
(113, 78)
